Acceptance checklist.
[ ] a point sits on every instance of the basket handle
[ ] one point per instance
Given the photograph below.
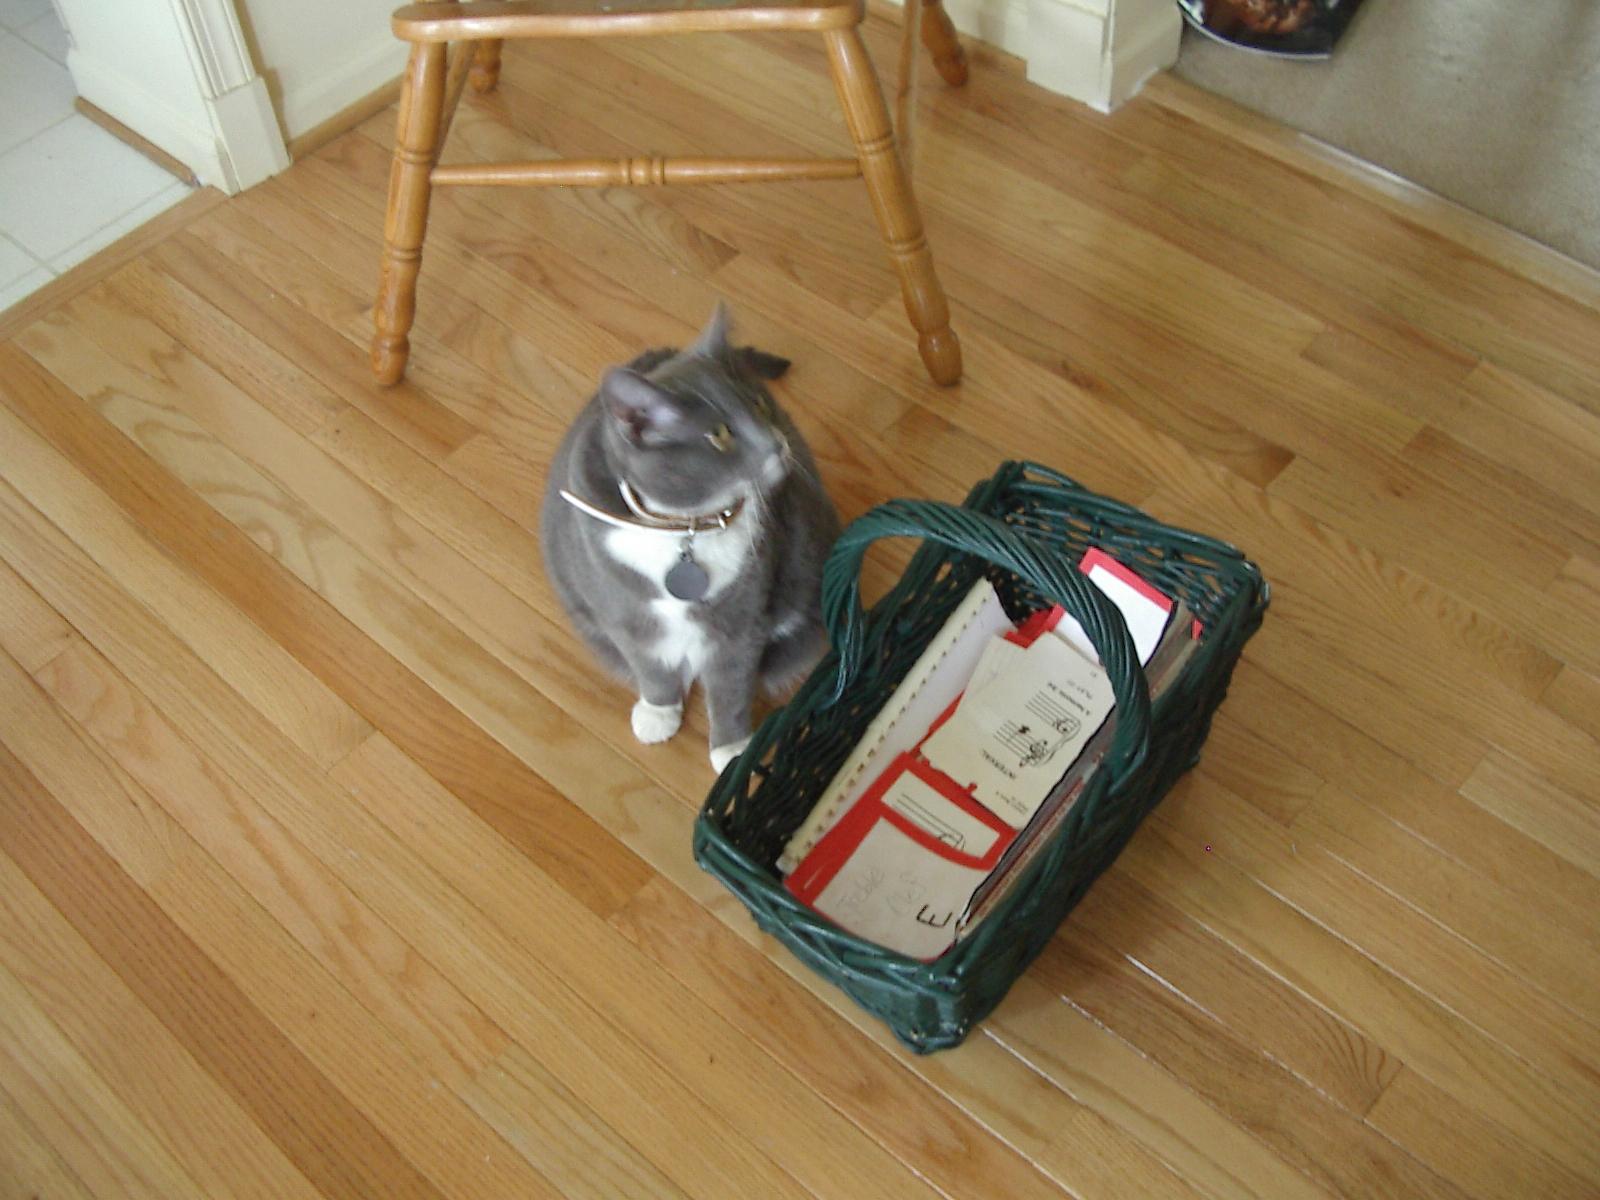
(1031, 558)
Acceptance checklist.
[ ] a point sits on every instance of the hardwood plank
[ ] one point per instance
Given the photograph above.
(1521, 499)
(1169, 944)
(141, 1061)
(30, 1168)
(1574, 695)
(246, 746)
(277, 381)
(408, 408)
(811, 390)
(1540, 944)
(430, 569)
(561, 1135)
(1079, 1150)
(1538, 433)
(250, 661)
(616, 304)
(326, 1014)
(820, 1149)
(1379, 508)
(1057, 274)
(1363, 585)
(332, 1144)
(106, 1144)
(1477, 1155)
(1094, 1066)
(1306, 732)
(368, 558)
(1247, 1093)
(443, 1030)
(1484, 302)
(1569, 825)
(260, 484)
(1407, 371)
(851, 274)
(373, 682)
(898, 1109)
(1346, 628)
(1432, 951)
(321, 1020)
(660, 303)
(30, 630)
(1438, 1044)
(63, 763)
(1255, 768)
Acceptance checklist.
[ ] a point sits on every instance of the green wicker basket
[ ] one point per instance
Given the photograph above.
(1026, 527)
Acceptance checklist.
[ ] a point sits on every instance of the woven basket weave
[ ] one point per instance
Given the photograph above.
(1025, 528)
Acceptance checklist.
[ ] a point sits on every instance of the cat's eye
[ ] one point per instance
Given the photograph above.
(721, 439)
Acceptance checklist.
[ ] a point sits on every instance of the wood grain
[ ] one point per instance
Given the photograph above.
(283, 1089)
(329, 867)
(138, 1057)
(456, 750)
(31, 1166)
(107, 1142)
(30, 630)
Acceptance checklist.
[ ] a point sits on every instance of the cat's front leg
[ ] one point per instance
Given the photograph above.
(730, 680)
(659, 710)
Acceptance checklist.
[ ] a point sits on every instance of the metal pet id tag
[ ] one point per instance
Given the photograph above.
(687, 580)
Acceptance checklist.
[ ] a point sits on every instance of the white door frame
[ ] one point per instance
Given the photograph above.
(127, 57)
(250, 144)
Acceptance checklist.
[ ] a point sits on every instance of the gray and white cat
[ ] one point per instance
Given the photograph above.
(674, 440)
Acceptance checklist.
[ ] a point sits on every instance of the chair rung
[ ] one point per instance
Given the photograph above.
(630, 172)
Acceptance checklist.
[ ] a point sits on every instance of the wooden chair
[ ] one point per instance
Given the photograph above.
(438, 72)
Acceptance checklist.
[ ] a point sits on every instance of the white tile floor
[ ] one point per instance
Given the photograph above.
(67, 187)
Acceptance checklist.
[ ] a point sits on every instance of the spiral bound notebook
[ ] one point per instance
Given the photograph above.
(928, 689)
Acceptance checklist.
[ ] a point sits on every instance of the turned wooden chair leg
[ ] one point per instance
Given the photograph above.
(486, 66)
(939, 36)
(893, 203)
(421, 106)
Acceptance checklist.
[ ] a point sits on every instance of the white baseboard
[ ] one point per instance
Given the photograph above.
(378, 62)
(192, 144)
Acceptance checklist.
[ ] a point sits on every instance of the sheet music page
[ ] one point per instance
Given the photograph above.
(1014, 738)
(899, 894)
(928, 689)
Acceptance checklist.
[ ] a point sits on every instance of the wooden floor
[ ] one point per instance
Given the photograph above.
(330, 868)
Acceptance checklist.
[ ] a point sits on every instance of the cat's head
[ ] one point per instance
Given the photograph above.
(700, 430)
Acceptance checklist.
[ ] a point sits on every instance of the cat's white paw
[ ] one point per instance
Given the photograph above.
(654, 723)
(721, 756)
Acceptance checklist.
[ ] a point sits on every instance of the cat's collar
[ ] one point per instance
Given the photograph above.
(654, 522)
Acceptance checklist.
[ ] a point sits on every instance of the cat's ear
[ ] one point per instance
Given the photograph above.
(761, 364)
(646, 415)
(713, 339)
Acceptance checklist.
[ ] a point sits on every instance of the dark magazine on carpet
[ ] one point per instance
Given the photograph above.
(1285, 28)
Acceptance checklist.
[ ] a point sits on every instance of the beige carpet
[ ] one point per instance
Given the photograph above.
(1494, 104)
